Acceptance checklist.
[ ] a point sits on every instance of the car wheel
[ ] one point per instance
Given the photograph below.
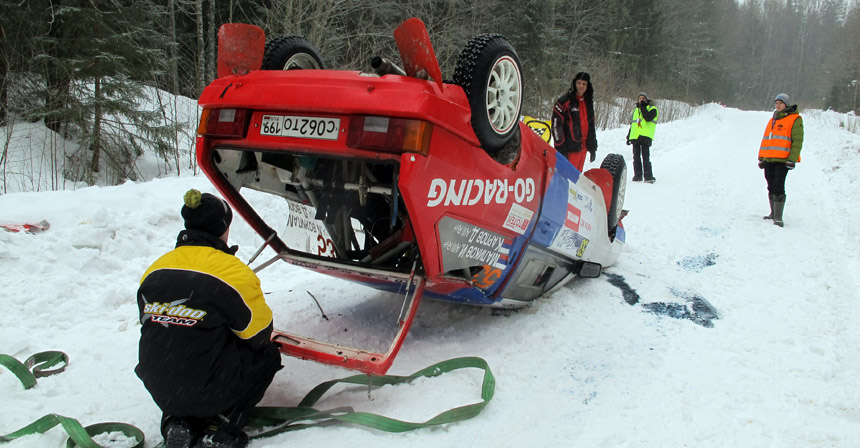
(489, 71)
(614, 163)
(291, 53)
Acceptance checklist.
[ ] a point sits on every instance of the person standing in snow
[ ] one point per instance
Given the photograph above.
(205, 352)
(641, 135)
(573, 122)
(779, 152)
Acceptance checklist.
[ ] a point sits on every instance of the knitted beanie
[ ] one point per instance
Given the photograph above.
(206, 213)
(784, 98)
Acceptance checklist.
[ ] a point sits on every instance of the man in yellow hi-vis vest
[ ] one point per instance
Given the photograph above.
(779, 152)
(641, 135)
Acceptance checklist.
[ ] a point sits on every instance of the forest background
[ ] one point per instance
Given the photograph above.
(95, 72)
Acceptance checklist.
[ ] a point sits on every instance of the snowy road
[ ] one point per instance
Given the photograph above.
(584, 367)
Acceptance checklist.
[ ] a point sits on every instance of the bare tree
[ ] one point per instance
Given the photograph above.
(201, 47)
(210, 42)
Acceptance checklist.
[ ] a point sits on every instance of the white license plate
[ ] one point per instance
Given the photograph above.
(302, 127)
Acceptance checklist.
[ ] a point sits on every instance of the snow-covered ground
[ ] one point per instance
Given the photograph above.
(603, 362)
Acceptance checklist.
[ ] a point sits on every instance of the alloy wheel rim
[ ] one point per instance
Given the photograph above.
(301, 61)
(504, 88)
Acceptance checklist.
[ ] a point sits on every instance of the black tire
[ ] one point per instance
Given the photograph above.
(489, 70)
(291, 53)
(614, 163)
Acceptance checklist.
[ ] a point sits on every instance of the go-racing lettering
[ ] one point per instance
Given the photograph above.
(468, 192)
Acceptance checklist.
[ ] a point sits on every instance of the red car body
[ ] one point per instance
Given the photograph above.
(461, 224)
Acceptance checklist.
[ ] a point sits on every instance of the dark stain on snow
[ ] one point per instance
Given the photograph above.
(694, 308)
(698, 263)
(630, 295)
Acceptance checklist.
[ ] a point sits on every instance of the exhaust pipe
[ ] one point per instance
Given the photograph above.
(383, 66)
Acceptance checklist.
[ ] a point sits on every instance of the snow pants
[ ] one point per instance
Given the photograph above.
(577, 159)
(642, 159)
(258, 375)
(774, 174)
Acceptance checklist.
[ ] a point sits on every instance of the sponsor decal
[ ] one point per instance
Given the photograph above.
(539, 127)
(572, 239)
(575, 221)
(518, 219)
(173, 320)
(465, 245)
(169, 309)
(300, 218)
(487, 277)
(310, 234)
(570, 242)
(469, 192)
(575, 197)
(573, 217)
(581, 251)
(172, 313)
(504, 253)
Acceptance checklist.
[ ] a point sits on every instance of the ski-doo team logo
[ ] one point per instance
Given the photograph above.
(172, 313)
(470, 192)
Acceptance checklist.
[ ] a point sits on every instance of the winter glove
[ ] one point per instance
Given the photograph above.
(789, 164)
(593, 155)
(761, 164)
(629, 142)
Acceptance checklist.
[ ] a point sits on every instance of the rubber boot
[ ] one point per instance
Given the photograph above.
(770, 199)
(778, 207)
(637, 172)
(637, 167)
(649, 176)
(177, 433)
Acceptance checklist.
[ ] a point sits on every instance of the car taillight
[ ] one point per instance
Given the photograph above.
(389, 134)
(223, 122)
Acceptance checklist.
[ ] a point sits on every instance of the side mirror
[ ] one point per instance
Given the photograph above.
(589, 270)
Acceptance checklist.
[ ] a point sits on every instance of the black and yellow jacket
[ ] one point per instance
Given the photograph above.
(204, 320)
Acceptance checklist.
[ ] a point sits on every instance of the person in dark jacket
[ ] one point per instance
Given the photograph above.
(779, 152)
(205, 352)
(641, 135)
(573, 130)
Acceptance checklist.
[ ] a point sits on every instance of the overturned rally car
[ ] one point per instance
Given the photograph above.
(401, 181)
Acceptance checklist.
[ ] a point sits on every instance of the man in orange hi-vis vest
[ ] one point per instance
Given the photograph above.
(779, 152)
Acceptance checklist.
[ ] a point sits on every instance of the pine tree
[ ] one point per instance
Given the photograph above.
(96, 59)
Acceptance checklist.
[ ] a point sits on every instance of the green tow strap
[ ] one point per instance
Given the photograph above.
(40, 363)
(78, 435)
(287, 418)
(276, 419)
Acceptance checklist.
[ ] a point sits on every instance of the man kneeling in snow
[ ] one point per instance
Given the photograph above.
(205, 351)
